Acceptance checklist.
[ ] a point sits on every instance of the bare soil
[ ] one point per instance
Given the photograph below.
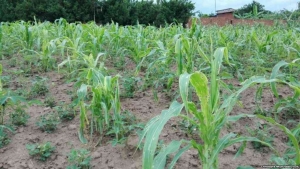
(144, 107)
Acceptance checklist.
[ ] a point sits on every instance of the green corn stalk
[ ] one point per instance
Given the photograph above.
(105, 104)
(209, 120)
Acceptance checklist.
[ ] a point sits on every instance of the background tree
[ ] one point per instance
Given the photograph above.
(125, 12)
(248, 8)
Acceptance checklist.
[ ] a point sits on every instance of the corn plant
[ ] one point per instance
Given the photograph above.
(185, 49)
(104, 106)
(210, 119)
(290, 102)
(292, 155)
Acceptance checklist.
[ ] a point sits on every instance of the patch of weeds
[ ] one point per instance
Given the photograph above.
(50, 102)
(160, 146)
(261, 132)
(129, 84)
(263, 112)
(19, 116)
(65, 112)
(79, 159)
(12, 62)
(5, 81)
(129, 125)
(189, 128)
(39, 88)
(40, 151)
(73, 95)
(4, 139)
(48, 122)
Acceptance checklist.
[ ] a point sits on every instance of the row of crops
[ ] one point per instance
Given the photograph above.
(197, 61)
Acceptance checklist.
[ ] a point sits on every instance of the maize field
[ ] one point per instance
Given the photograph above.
(82, 95)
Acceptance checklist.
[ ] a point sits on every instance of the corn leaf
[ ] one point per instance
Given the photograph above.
(288, 132)
(178, 155)
(274, 74)
(161, 158)
(154, 132)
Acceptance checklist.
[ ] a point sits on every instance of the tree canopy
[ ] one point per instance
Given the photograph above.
(248, 8)
(125, 12)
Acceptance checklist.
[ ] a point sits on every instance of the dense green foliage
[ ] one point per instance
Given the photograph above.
(255, 10)
(248, 8)
(125, 12)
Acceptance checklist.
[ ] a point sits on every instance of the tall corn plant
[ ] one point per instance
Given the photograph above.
(210, 118)
(104, 107)
(185, 49)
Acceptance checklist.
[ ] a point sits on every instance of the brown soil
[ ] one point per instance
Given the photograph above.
(143, 106)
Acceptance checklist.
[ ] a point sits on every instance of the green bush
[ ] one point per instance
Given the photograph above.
(123, 12)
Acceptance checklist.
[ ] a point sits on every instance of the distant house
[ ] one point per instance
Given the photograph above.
(226, 13)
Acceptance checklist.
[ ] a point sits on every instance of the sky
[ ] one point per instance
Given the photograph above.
(208, 6)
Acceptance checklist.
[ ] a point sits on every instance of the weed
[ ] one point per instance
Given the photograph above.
(39, 88)
(8, 99)
(50, 102)
(65, 112)
(4, 139)
(12, 62)
(19, 116)
(261, 132)
(188, 127)
(41, 151)
(79, 159)
(129, 124)
(48, 122)
(129, 85)
(5, 81)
